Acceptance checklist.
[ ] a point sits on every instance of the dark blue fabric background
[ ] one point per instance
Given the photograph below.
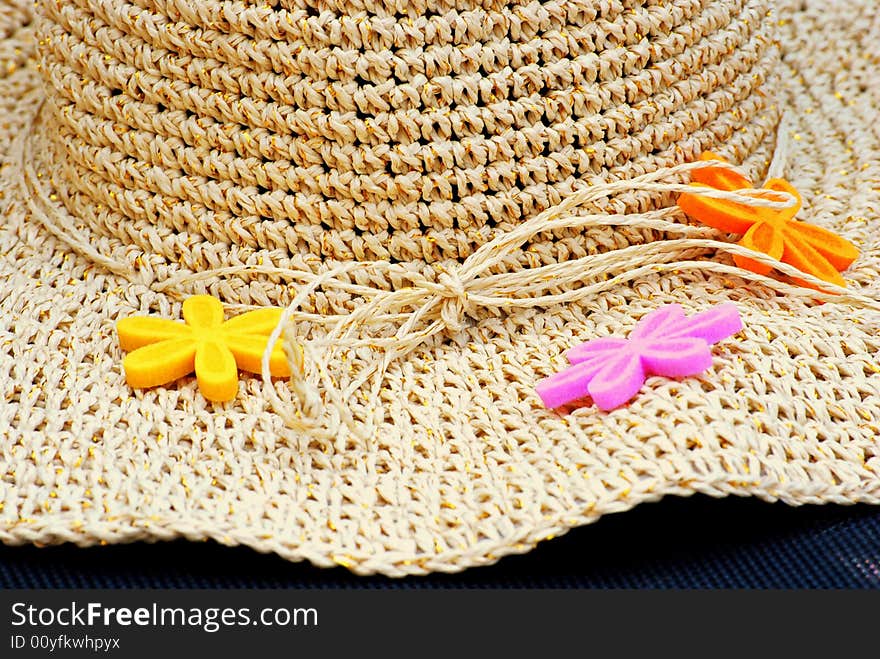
(677, 543)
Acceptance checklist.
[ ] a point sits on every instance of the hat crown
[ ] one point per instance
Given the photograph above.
(305, 132)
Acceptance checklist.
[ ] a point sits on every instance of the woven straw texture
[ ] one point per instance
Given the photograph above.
(158, 148)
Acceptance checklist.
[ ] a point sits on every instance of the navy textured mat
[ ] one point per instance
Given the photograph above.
(676, 543)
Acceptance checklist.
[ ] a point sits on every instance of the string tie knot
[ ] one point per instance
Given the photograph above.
(455, 303)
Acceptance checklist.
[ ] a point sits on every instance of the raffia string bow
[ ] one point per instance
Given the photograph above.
(426, 308)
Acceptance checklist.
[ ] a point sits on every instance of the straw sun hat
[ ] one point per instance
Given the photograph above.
(445, 196)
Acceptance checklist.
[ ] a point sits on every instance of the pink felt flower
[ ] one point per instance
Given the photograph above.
(611, 370)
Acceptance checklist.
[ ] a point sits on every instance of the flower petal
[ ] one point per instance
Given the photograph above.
(617, 382)
(675, 358)
(838, 251)
(658, 322)
(137, 332)
(712, 325)
(784, 214)
(719, 177)
(248, 350)
(568, 385)
(763, 237)
(766, 238)
(595, 348)
(727, 216)
(806, 259)
(216, 371)
(261, 321)
(202, 311)
(159, 363)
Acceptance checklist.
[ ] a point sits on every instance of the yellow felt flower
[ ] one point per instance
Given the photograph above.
(161, 351)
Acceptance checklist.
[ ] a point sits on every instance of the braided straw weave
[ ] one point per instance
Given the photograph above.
(448, 194)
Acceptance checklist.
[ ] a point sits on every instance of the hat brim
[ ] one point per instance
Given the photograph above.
(465, 465)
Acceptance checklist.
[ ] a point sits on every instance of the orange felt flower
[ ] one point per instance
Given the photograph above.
(807, 247)
(162, 351)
